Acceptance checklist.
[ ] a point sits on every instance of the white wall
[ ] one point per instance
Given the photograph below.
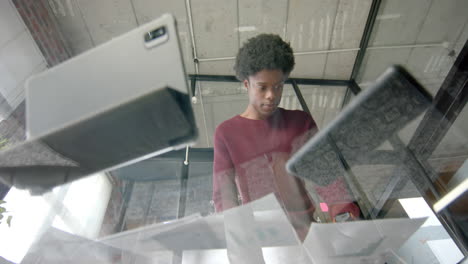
(19, 58)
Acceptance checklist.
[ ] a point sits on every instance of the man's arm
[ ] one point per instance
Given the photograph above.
(224, 185)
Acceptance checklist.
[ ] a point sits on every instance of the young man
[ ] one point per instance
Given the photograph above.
(251, 149)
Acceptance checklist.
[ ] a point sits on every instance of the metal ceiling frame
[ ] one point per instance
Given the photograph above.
(231, 78)
(368, 29)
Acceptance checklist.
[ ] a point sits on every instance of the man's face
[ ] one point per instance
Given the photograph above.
(265, 89)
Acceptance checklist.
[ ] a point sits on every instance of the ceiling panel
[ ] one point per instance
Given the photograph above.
(107, 18)
(376, 61)
(10, 22)
(220, 89)
(315, 98)
(430, 66)
(309, 66)
(20, 57)
(223, 110)
(221, 67)
(310, 24)
(220, 108)
(349, 23)
(444, 22)
(261, 16)
(72, 26)
(339, 65)
(333, 102)
(148, 10)
(324, 102)
(462, 39)
(215, 28)
(289, 99)
(399, 22)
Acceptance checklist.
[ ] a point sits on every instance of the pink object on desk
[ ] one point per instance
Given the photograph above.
(324, 207)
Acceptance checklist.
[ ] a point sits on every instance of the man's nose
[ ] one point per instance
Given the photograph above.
(270, 94)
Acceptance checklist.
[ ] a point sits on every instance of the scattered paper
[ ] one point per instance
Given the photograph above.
(258, 232)
(360, 241)
(56, 246)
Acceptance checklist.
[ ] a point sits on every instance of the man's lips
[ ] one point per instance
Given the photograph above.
(269, 105)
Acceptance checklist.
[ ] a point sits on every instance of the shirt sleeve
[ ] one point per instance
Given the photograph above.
(224, 186)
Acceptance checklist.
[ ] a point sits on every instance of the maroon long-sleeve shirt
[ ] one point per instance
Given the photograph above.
(250, 157)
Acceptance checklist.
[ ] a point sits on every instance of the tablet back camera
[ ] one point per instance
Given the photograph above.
(155, 37)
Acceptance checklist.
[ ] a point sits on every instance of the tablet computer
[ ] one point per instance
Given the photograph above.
(376, 114)
(121, 102)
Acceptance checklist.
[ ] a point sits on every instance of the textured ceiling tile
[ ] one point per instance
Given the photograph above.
(261, 16)
(222, 67)
(310, 24)
(334, 99)
(215, 28)
(10, 22)
(444, 22)
(219, 109)
(220, 88)
(460, 42)
(20, 57)
(349, 24)
(315, 98)
(339, 65)
(289, 99)
(107, 18)
(309, 66)
(148, 10)
(223, 110)
(398, 22)
(377, 61)
(430, 66)
(72, 26)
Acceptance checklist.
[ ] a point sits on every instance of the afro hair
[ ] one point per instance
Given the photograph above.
(263, 52)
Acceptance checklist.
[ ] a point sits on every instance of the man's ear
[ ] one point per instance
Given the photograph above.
(246, 84)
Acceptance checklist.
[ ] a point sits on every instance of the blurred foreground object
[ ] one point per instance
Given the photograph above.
(124, 101)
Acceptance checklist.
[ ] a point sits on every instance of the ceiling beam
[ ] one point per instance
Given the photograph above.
(368, 29)
(304, 81)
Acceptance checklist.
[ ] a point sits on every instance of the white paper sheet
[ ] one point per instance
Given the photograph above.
(358, 242)
(245, 232)
(56, 246)
(258, 232)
